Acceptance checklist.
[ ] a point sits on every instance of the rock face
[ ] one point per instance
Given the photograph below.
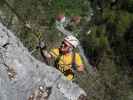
(22, 77)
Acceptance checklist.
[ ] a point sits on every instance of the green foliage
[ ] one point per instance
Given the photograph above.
(103, 42)
(1, 3)
(109, 15)
(70, 6)
(124, 21)
(98, 38)
(30, 40)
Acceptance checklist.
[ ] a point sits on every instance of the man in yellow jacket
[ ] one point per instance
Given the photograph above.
(65, 59)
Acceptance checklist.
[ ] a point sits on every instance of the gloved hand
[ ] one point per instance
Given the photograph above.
(42, 45)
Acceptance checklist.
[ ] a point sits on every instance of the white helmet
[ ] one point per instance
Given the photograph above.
(72, 40)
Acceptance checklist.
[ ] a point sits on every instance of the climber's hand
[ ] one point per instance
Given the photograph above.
(42, 45)
(80, 68)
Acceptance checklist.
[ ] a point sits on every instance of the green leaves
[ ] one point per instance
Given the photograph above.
(124, 21)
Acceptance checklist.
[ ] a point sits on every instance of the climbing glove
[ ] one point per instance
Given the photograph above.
(42, 45)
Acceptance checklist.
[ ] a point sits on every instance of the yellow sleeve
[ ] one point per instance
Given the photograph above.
(54, 52)
(78, 60)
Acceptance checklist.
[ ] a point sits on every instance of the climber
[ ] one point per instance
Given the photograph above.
(61, 20)
(61, 17)
(66, 22)
(66, 59)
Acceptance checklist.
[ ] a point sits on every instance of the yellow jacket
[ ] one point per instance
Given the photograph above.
(65, 62)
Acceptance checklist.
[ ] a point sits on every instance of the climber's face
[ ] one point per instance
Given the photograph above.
(66, 47)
